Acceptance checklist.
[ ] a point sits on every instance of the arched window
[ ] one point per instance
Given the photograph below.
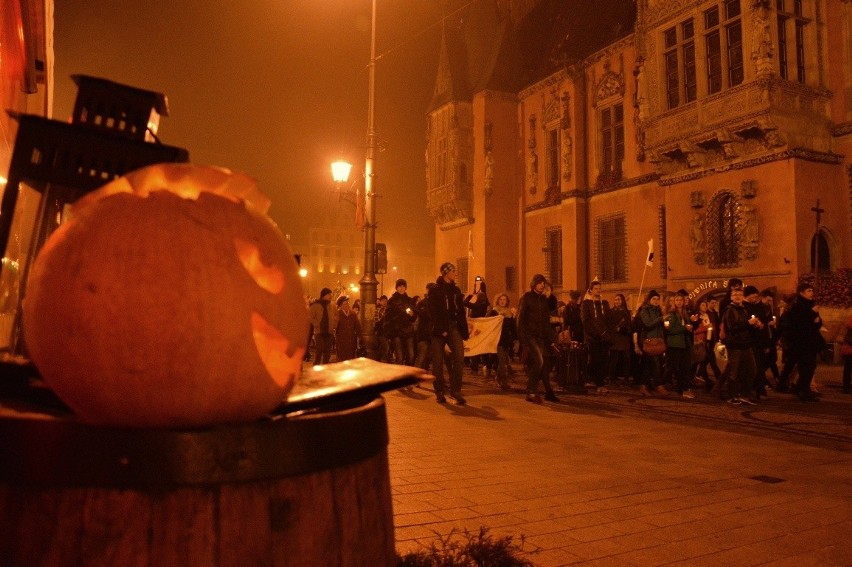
(820, 253)
(722, 234)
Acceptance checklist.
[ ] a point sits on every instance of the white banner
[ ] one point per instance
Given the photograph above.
(484, 335)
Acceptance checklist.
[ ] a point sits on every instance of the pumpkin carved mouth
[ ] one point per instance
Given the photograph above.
(272, 347)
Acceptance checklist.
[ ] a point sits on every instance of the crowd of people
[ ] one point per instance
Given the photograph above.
(668, 345)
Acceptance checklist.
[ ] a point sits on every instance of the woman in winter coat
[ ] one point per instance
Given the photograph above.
(619, 350)
(678, 356)
(508, 336)
(651, 318)
(347, 330)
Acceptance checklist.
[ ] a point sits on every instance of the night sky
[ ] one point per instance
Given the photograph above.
(276, 89)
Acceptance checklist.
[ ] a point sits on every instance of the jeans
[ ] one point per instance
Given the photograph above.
(403, 348)
(323, 348)
(454, 340)
(423, 348)
(740, 370)
(540, 360)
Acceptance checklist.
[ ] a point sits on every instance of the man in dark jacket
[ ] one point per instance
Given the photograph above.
(449, 328)
(804, 339)
(739, 342)
(595, 315)
(399, 324)
(539, 336)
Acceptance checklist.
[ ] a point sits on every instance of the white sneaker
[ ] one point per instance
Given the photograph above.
(688, 394)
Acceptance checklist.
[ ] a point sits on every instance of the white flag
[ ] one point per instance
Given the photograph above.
(649, 261)
(484, 335)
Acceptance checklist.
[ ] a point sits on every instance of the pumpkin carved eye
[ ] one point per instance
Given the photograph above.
(269, 278)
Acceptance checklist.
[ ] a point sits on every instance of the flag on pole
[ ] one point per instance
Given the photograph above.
(484, 335)
(470, 244)
(649, 261)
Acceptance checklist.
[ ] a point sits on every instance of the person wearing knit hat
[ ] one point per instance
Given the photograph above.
(449, 329)
(596, 317)
(399, 324)
(323, 317)
(761, 339)
(346, 330)
(651, 317)
(539, 336)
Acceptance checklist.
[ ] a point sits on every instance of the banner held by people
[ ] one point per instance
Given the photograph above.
(484, 335)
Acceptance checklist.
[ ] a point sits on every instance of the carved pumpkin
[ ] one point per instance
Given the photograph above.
(152, 309)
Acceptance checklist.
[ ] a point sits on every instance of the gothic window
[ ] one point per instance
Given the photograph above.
(552, 154)
(679, 58)
(612, 248)
(820, 253)
(553, 255)
(792, 25)
(722, 237)
(723, 41)
(612, 138)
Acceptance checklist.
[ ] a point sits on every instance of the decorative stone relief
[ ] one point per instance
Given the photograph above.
(640, 110)
(697, 237)
(532, 159)
(567, 150)
(657, 9)
(611, 84)
(488, 139)
(748, 188)
(762, 49)
(696, 199)
(489, 173)
(749, 231)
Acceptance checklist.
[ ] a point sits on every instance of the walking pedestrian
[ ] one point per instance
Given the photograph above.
(539, 337)
(449, 329)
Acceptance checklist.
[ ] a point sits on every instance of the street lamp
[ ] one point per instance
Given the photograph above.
(340, 172)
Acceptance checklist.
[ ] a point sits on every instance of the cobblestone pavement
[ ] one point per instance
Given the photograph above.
(618, 479)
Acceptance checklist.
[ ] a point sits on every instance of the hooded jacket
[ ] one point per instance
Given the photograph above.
(446, 307)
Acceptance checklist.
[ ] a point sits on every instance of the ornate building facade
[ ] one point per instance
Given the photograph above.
(564, 136)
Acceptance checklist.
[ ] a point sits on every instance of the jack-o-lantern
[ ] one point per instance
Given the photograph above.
(161, 303)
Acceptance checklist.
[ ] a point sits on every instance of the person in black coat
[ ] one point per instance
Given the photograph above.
(539, 336)
(804, 339)
(449, 328)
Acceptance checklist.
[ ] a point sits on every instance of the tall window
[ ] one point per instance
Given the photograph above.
(552, 149)
(612, 248)
(791, 25)
(441, 162)
(681, 79)
(553, 255)
(722, 237)
(612, 138)
(723, 39)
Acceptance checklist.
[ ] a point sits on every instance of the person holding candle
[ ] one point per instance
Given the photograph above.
(702, 334)
(678, 357)
(739, 342)
(651, 318)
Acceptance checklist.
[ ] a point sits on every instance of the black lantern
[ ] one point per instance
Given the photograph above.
(113, 132)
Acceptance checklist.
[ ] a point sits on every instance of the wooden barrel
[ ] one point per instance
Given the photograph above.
(311, 489)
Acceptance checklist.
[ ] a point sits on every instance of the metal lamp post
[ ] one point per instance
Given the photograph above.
(368, 282)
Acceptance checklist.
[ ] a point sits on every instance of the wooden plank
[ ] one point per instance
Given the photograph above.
(116, 528)
(183, 527)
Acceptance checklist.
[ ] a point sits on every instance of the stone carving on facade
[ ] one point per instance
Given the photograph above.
(657, 9)
(565, 121)
(749, 231)
(726, 142)
(532, 159)
(550, 110)
(567, 149)
(762, 48)
(488, 188)
(567, 155)
(748, 189)
(489, 173)
(640, 108)
(771, 137)
(532, 171)
(696, 199)
(697, 238)
(611, 84)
